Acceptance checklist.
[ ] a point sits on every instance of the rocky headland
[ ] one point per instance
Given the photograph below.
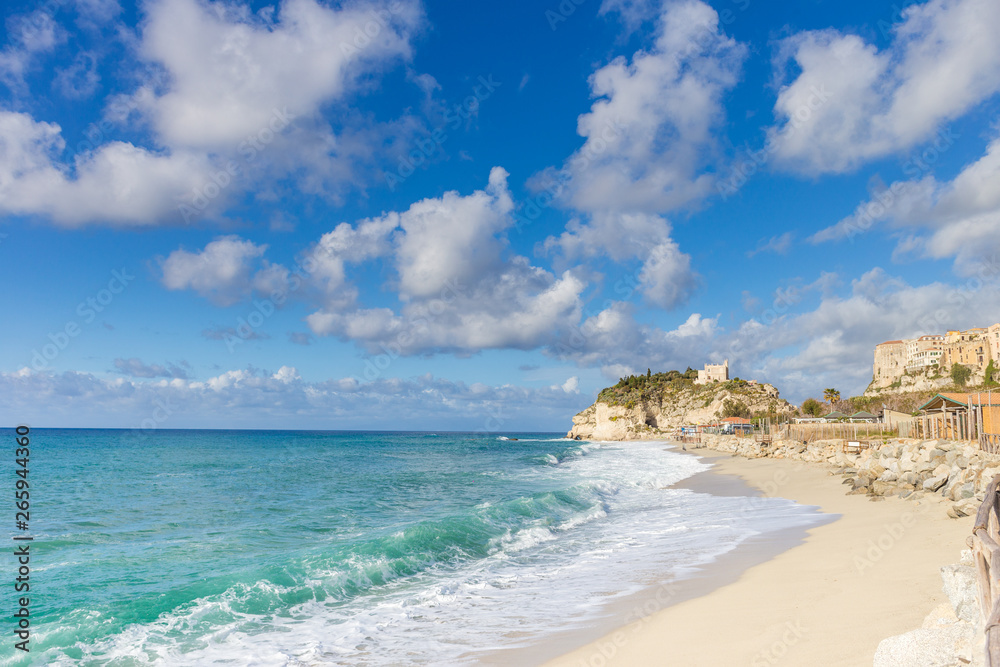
(655, 406)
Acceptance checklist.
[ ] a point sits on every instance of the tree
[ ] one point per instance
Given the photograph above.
(735, 409)
(960, 374)
(649, 373)
(812, 407)
(831, 395)
(991, 371)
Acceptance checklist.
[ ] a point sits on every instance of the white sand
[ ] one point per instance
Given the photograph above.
(829, 601)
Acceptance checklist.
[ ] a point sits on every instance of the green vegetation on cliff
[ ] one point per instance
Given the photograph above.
(661, 388)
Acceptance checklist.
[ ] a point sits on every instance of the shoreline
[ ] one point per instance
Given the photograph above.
(870, 572)
(701, 581)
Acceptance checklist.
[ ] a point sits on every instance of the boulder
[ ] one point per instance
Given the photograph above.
(943, 646)
(883, 488)
(960, 587)
(967, 490)
(934, 483)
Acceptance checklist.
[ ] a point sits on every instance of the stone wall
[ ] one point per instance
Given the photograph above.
(956, 471)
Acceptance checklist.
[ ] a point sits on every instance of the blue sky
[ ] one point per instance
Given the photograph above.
(429, 216)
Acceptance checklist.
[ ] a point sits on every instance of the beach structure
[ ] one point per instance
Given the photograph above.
(834, 416)
(862, 416)
(713, 373)
(957, 416)
(732, 425)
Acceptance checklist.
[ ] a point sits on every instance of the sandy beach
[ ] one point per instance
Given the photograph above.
(828, 599)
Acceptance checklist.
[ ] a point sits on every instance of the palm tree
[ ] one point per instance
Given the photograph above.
(831, 395)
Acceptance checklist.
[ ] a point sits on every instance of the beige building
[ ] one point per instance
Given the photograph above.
(993, 335)
(974, 353)
(964, 336)
(714, 373)
(890, 361)
(973, 348)
(923, 352)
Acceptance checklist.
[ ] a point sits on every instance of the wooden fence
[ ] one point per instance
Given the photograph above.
(985, 543)
(843, 431)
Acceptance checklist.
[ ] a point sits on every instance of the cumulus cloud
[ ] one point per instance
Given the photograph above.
(957, 219)
(851, 103)
(571, 386)
(650, 139)
(233, 68)
(242, 98)
(653, 127)
(665, 276)
(117, 184)
(460, 290)
(220, 272)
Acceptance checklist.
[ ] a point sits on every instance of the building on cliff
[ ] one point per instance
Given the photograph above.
(713, 373)
(923, 352)
(890, 361)
(974, 348)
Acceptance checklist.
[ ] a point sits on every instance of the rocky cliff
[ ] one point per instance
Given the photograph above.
(653, 406)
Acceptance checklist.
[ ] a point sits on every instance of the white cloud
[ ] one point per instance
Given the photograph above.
(613, 341)
(833, 345)
(571, 386)
(234, 69)
(665, 276)
(654, 124)
(958, 219)
(241, 100)
(117, 184)
(94, 13)
(30, 35)
(851, 103)
(649, 139)
(631, 12)
(220, 272)
(252, 398)
(453, 238)
(460, 290)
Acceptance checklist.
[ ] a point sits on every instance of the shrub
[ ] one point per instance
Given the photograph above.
(732, 408)
(960, 374)
(991, 372)
(812, 407)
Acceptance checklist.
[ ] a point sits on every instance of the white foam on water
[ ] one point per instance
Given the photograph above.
(538, 580)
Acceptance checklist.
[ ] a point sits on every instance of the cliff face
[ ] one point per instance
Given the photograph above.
(911, 382)
(656, 410)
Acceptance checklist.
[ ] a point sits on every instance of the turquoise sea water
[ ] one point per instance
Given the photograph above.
(315, 548)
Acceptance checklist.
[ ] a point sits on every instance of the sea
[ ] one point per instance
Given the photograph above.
(201, 547)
